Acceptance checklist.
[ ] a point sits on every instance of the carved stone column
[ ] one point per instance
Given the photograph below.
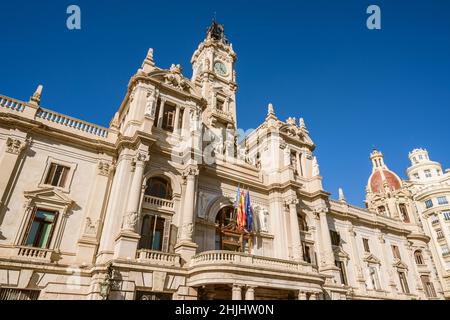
(297, 251)
(177, 120)
(236, 292)
(126, 243)
(302, 295)
(250, 293)
(186, 247)
(328, 256)
(161, 113)
(356, 261)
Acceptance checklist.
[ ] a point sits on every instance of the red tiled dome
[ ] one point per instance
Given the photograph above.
(376, 181)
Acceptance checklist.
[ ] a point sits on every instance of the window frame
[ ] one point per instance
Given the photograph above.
(366, 245)
(429, 203)
(69, 177)
(442, 200)
(31, 220)
(418, 258)
(396, 252)
(403, 282)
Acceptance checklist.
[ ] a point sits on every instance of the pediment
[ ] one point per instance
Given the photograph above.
(294, 132)
(370, 258)
(339, 252)
(173, 78)
(399, 264)
(49, 195)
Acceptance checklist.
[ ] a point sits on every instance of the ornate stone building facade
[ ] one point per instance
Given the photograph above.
(143, 209)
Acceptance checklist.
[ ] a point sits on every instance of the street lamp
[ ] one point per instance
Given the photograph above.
(105, 286)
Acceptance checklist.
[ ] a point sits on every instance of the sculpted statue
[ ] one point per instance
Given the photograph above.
(315, 167)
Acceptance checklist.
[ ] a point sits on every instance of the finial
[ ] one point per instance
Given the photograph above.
(302, 123)
(341, 195)
(36, 98)
(270, 110)
(148, 64)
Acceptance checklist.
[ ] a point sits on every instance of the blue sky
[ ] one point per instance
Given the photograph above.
(356, 88)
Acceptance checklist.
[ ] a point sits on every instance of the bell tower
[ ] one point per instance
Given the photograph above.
(214, 75)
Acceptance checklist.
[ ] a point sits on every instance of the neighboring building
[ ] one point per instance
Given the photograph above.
(144, 208)
(430, 189)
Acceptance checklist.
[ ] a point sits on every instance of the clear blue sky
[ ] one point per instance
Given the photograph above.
(355, 88)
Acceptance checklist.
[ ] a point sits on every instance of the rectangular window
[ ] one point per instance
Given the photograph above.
(152, 233)
(169, 117)
(158, 106)
(427, 173)
(446, 215)
(396, 252)
(335, 238)
(440, 234)
(404, 212)
(434, 220)
(41, 229)
(428, 286)
(219, 104)
(442, 200)
(306, 253)
(366, 245)
(374, 278)
(57, 175)
(429, 203)
(343, 275)
(18, 294)
(403, 282)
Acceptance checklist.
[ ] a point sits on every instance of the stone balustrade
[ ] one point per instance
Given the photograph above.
(59, 120)
(150, 201)
(34, 253)
(158, 258)
(11, 104)
(237, 258)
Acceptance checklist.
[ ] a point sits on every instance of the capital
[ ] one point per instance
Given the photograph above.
(15, 146)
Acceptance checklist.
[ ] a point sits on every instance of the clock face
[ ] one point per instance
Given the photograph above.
(220, 68)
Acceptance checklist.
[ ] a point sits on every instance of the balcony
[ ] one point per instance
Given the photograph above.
(30, 253)
(158, 258)
(245, 260)
(157, 203)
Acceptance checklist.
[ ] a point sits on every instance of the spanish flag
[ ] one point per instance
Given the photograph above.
(241, 215)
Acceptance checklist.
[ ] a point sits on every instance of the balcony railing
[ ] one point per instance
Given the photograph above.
(34, 253)
(12, 104)
(58, 119)
(158, 202)
(158, 258)
(236, 258)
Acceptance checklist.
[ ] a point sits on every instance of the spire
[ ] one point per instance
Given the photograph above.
(341, 195)
(36, 98)
(302, 123)
(270, 112)
(148, 64)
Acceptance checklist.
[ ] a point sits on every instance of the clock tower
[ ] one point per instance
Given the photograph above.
(214, 75)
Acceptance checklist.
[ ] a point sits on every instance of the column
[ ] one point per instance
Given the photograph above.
(126, 243)
(250, 293)
(134, 194)
(177, 120)
(13, 150)
(295, 230)
(161, 113)
(236, 292)
(302, 295)
(299, 164)
(313, 296)
(356, 261)
(326, 238)
(186, 247)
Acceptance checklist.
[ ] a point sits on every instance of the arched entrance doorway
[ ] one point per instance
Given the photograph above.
(228, 237)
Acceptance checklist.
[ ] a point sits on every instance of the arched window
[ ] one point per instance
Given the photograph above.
(159, 188)
(404, 212)
(418, 257)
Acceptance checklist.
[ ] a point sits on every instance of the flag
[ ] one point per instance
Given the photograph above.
(248, 211)
(238, 194)
(241, 217)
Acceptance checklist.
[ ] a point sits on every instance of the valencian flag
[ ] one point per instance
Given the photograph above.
(248, 211)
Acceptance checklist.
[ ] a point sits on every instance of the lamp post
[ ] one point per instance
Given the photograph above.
(105, 286)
